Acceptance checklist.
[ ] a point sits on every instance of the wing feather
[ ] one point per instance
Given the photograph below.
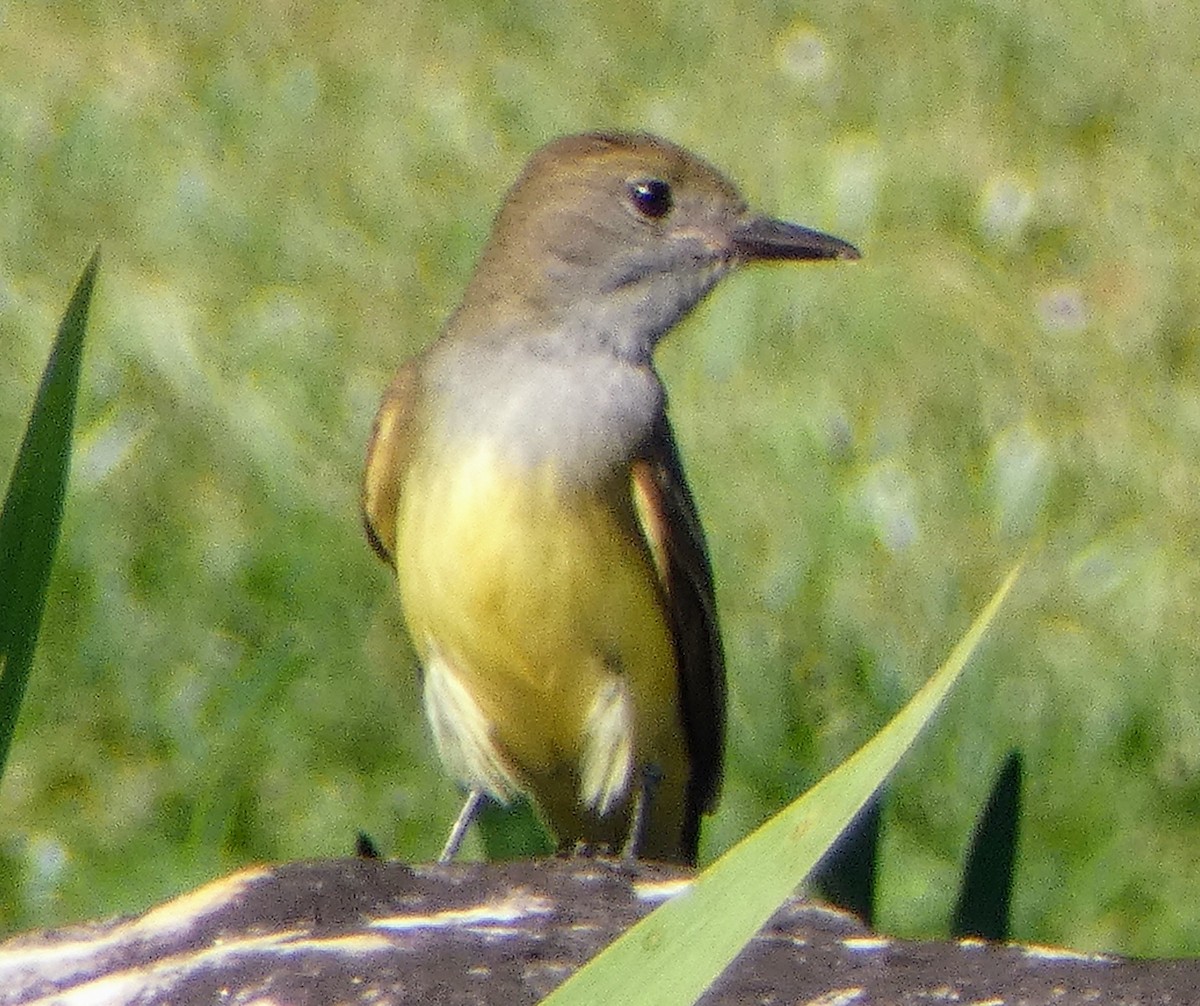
(676, 540)
(388, 455)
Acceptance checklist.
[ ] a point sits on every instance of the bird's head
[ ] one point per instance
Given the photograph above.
(612, 238)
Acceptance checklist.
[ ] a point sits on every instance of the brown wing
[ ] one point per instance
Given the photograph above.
(388, 455)
(676, 541)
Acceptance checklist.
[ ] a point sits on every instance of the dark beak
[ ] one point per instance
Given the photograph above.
(764, 239)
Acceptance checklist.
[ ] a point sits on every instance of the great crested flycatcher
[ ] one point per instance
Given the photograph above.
(523, 480)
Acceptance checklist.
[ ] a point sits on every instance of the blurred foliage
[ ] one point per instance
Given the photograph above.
(290, 204)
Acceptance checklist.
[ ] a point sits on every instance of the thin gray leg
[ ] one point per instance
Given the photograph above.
(648, 779)
(465, 816)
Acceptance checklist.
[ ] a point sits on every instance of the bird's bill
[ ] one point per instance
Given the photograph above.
(761, 238)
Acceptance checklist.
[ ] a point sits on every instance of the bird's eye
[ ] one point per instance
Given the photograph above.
(651, 197)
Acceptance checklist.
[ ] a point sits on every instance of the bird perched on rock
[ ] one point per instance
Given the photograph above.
(523, 481)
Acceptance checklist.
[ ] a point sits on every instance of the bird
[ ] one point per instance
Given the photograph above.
(523, 481)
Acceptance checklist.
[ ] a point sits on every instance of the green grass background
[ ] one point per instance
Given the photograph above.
(289, 199)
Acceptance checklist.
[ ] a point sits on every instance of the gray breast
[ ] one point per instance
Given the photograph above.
(584, 413)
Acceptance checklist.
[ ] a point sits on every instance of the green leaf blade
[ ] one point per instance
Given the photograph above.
(32, 514)
(675, 953)
(984, 905)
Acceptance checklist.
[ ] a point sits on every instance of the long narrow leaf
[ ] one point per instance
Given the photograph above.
(677, 951)
(985, 896)
(29, 524)
(846, 876)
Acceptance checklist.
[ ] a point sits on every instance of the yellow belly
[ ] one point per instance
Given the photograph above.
(538, 599)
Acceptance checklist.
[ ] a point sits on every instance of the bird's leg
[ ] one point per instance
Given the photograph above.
(648, 779)
(461, 823)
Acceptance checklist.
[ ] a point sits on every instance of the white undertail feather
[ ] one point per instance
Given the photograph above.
(462, 732)
(608, 747)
